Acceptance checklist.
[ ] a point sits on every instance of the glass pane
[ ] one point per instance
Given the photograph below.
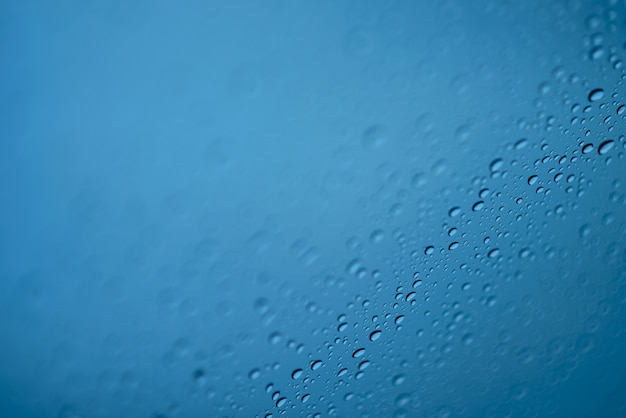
(236, 208)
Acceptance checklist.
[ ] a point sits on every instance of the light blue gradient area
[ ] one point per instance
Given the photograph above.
(200, 200)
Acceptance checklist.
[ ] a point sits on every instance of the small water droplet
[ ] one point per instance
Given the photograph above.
(430, 250)
(316, 364)
(522, 143)
(254, 374)
(375, 335)
(358, 352)
(496, 165)
(478, 206)
(296, 374)
(398, 379)
(494, 253)
(376, 236)
(606, 146)
(587, 148)
(595, 95)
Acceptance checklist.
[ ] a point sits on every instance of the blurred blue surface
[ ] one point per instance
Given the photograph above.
(312, 208)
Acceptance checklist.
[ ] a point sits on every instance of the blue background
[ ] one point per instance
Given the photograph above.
(200, 200)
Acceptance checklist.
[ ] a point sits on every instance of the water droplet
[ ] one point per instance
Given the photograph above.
(587, 148)
(606, 146)
(493, 253)
(478, 206)
(496, 165)
(522, 143)
(254, 374)
(398, 379)
(453, 246)
(275, 338)
(418, 180)
(281, 402)
(532, 180)
(595, 95)
(316, 364)
(621, 110)
(596, 53)
(375, 335)
(358, 352)
(455, 211)
(584, 231)
(430, 250)
(296, 374)
(376, 236)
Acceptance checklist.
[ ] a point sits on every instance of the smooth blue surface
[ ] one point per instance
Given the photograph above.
(210, 208)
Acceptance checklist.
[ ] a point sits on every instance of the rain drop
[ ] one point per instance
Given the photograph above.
(595, 95)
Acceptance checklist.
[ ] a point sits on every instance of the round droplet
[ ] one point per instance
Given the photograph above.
(418, 180)
(358, 352)
(376, 236)
(494, 253)
(596, 53)
(455, 211)
(478, 206)
(587, 148)
(496, 165)
(375, 335)
(254, 374)
(584, 231)
(595, 95)
(398, 379)
(429, 250)
(275, 338)
(296, 374)
(316, 364)
(606, 146)
(521, 144)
